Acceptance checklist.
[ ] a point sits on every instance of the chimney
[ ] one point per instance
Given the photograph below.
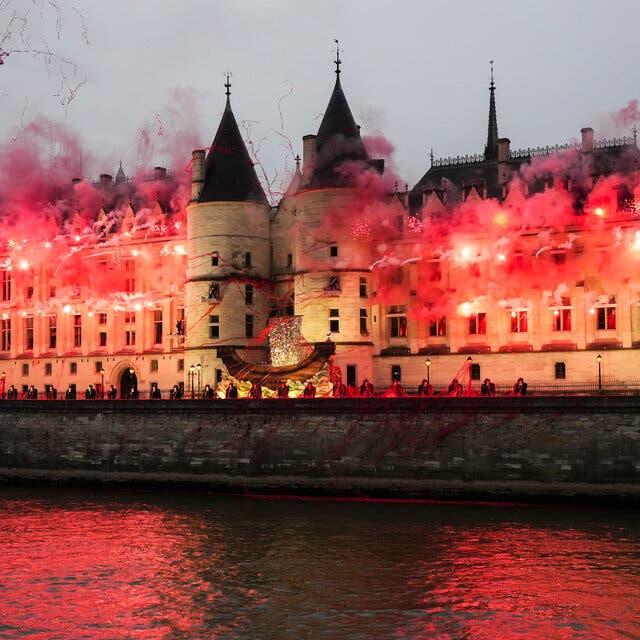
(504, 153)
(197, 174)
(159, 173)
(308, 157)
(106, 180)
(586, 151)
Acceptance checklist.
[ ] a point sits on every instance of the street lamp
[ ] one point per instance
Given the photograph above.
(102, 382)
(599, 361)
(199, 370)
(428, 363)
(192, 373)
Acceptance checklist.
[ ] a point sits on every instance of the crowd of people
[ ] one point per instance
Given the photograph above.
(340, 390)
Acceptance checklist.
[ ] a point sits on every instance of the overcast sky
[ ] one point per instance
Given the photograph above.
(415, 71)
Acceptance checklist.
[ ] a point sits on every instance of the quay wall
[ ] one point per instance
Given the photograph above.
(542, 448)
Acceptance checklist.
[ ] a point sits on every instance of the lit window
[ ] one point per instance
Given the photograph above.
(397, 317)
(438, 327)
(6, 335)
(519, 321)
(77, 331)
(606, 315)
(562, 316)
(478, 324)
(28, 333)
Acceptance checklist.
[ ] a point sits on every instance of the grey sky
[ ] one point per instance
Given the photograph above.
(415, 71)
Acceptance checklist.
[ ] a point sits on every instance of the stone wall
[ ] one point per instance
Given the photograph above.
(440, 447)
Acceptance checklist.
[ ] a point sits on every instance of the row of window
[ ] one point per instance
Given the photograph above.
(605, 320)
(559, 371)
(52, 331)
(73, 367)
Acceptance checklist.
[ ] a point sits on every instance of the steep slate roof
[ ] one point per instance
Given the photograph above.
(229, 175)
(338, 141)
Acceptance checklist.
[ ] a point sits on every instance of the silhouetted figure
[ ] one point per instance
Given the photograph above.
(112, 394)
(70, 393)
(32, 394)
(487, 388)
(90, 393)
(364, 386)
(12, 393)
(54, 393)
(133, 394)
(425, 389)
(520, 388)
(155, 393)
(455, 388)
(208, 394)
(255, 393)
(309, 391)
(283, 390)
(395, 391)
(180, 327)
(231, 392)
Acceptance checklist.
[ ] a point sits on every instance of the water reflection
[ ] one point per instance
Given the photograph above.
(105, 566)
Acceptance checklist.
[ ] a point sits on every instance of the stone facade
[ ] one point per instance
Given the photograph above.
(497, 447)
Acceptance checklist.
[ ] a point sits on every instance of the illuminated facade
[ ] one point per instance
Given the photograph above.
(159, 302)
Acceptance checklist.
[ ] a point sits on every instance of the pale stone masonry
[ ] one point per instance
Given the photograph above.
(245, 261)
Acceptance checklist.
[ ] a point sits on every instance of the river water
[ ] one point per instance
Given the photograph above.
(101, 565)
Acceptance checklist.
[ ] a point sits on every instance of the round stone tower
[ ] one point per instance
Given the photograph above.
(227, 292)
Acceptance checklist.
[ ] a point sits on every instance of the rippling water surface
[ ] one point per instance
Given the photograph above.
(101, 565)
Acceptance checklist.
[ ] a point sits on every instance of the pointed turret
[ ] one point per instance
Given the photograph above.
(491, 148)
(338, 140)
(120, 176)
(229, 175)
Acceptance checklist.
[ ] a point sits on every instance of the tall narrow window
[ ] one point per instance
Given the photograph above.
(214, 291)
(364, 325)
(130, 276)
(334, 283)
(102, 339)
(363, 287)
(130, 338)
(397, 317)
(560, 371)
(334, 320)
(248, 294)
(6, 335)
(28, 333)
(289, 259)
(247, 258)
(53, 332)
(214, 327)
(215, 259)
(102, 318)
(562, 316)
(248, 326)
(606, 315)
(333, 250)
(6, 284)
(77, 330)
(478, 324)
(157, 326)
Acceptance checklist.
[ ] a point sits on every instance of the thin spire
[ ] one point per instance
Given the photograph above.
(634, 131)
(337, 60)
(227, 89)
(431, 156)
(297, 159)
(491, 149)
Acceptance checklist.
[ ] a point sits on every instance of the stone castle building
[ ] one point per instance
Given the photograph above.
(246, 265)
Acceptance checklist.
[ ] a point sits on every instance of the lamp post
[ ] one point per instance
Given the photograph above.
(199, 371)
(469, 365)
(192, 373)
(428, 363)
(599, 361)
(102, 383)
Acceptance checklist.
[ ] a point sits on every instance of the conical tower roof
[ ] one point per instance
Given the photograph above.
(229, 175)
(338, 140)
